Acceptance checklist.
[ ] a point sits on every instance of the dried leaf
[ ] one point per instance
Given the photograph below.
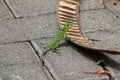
(99, 72)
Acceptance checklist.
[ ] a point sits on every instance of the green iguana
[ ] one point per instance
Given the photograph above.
(56, 40)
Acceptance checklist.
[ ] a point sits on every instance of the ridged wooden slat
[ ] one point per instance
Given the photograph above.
(68, 12)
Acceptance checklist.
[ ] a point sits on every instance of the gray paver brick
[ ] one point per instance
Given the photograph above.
(23, 8)
(16, 53)
(113, 8)
(103, 26)
(24, 72)
(4, 12)
(98, 19)
(68, 64)
(90, 4)
(27, 28)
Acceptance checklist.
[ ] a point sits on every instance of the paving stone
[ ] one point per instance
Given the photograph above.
(90, 5)
(22, 8)
(102, 26)
(98, 19)
(28, 28)
(16, 53)
(4, 12)
(113, 8)
(68, 64)
(23, 72)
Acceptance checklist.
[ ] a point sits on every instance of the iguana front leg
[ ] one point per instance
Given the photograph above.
(65, 38)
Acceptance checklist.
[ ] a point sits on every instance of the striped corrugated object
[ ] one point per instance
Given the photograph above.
(68, 12)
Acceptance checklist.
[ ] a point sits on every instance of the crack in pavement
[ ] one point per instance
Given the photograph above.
(94, 56)
(109, 74)
(43, 62)
(97, 56)
(9, 9)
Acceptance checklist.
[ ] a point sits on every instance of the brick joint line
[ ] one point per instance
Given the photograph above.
(9, 9)
(44, 65)
(92, 9)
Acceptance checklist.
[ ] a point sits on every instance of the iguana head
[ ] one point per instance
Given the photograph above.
(66, 27)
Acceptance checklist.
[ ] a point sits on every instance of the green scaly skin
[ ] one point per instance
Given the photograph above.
(56, 40)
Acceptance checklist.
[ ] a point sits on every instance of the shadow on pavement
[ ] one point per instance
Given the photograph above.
(94, 56)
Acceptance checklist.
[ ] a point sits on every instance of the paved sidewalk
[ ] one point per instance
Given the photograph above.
(25, 25)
